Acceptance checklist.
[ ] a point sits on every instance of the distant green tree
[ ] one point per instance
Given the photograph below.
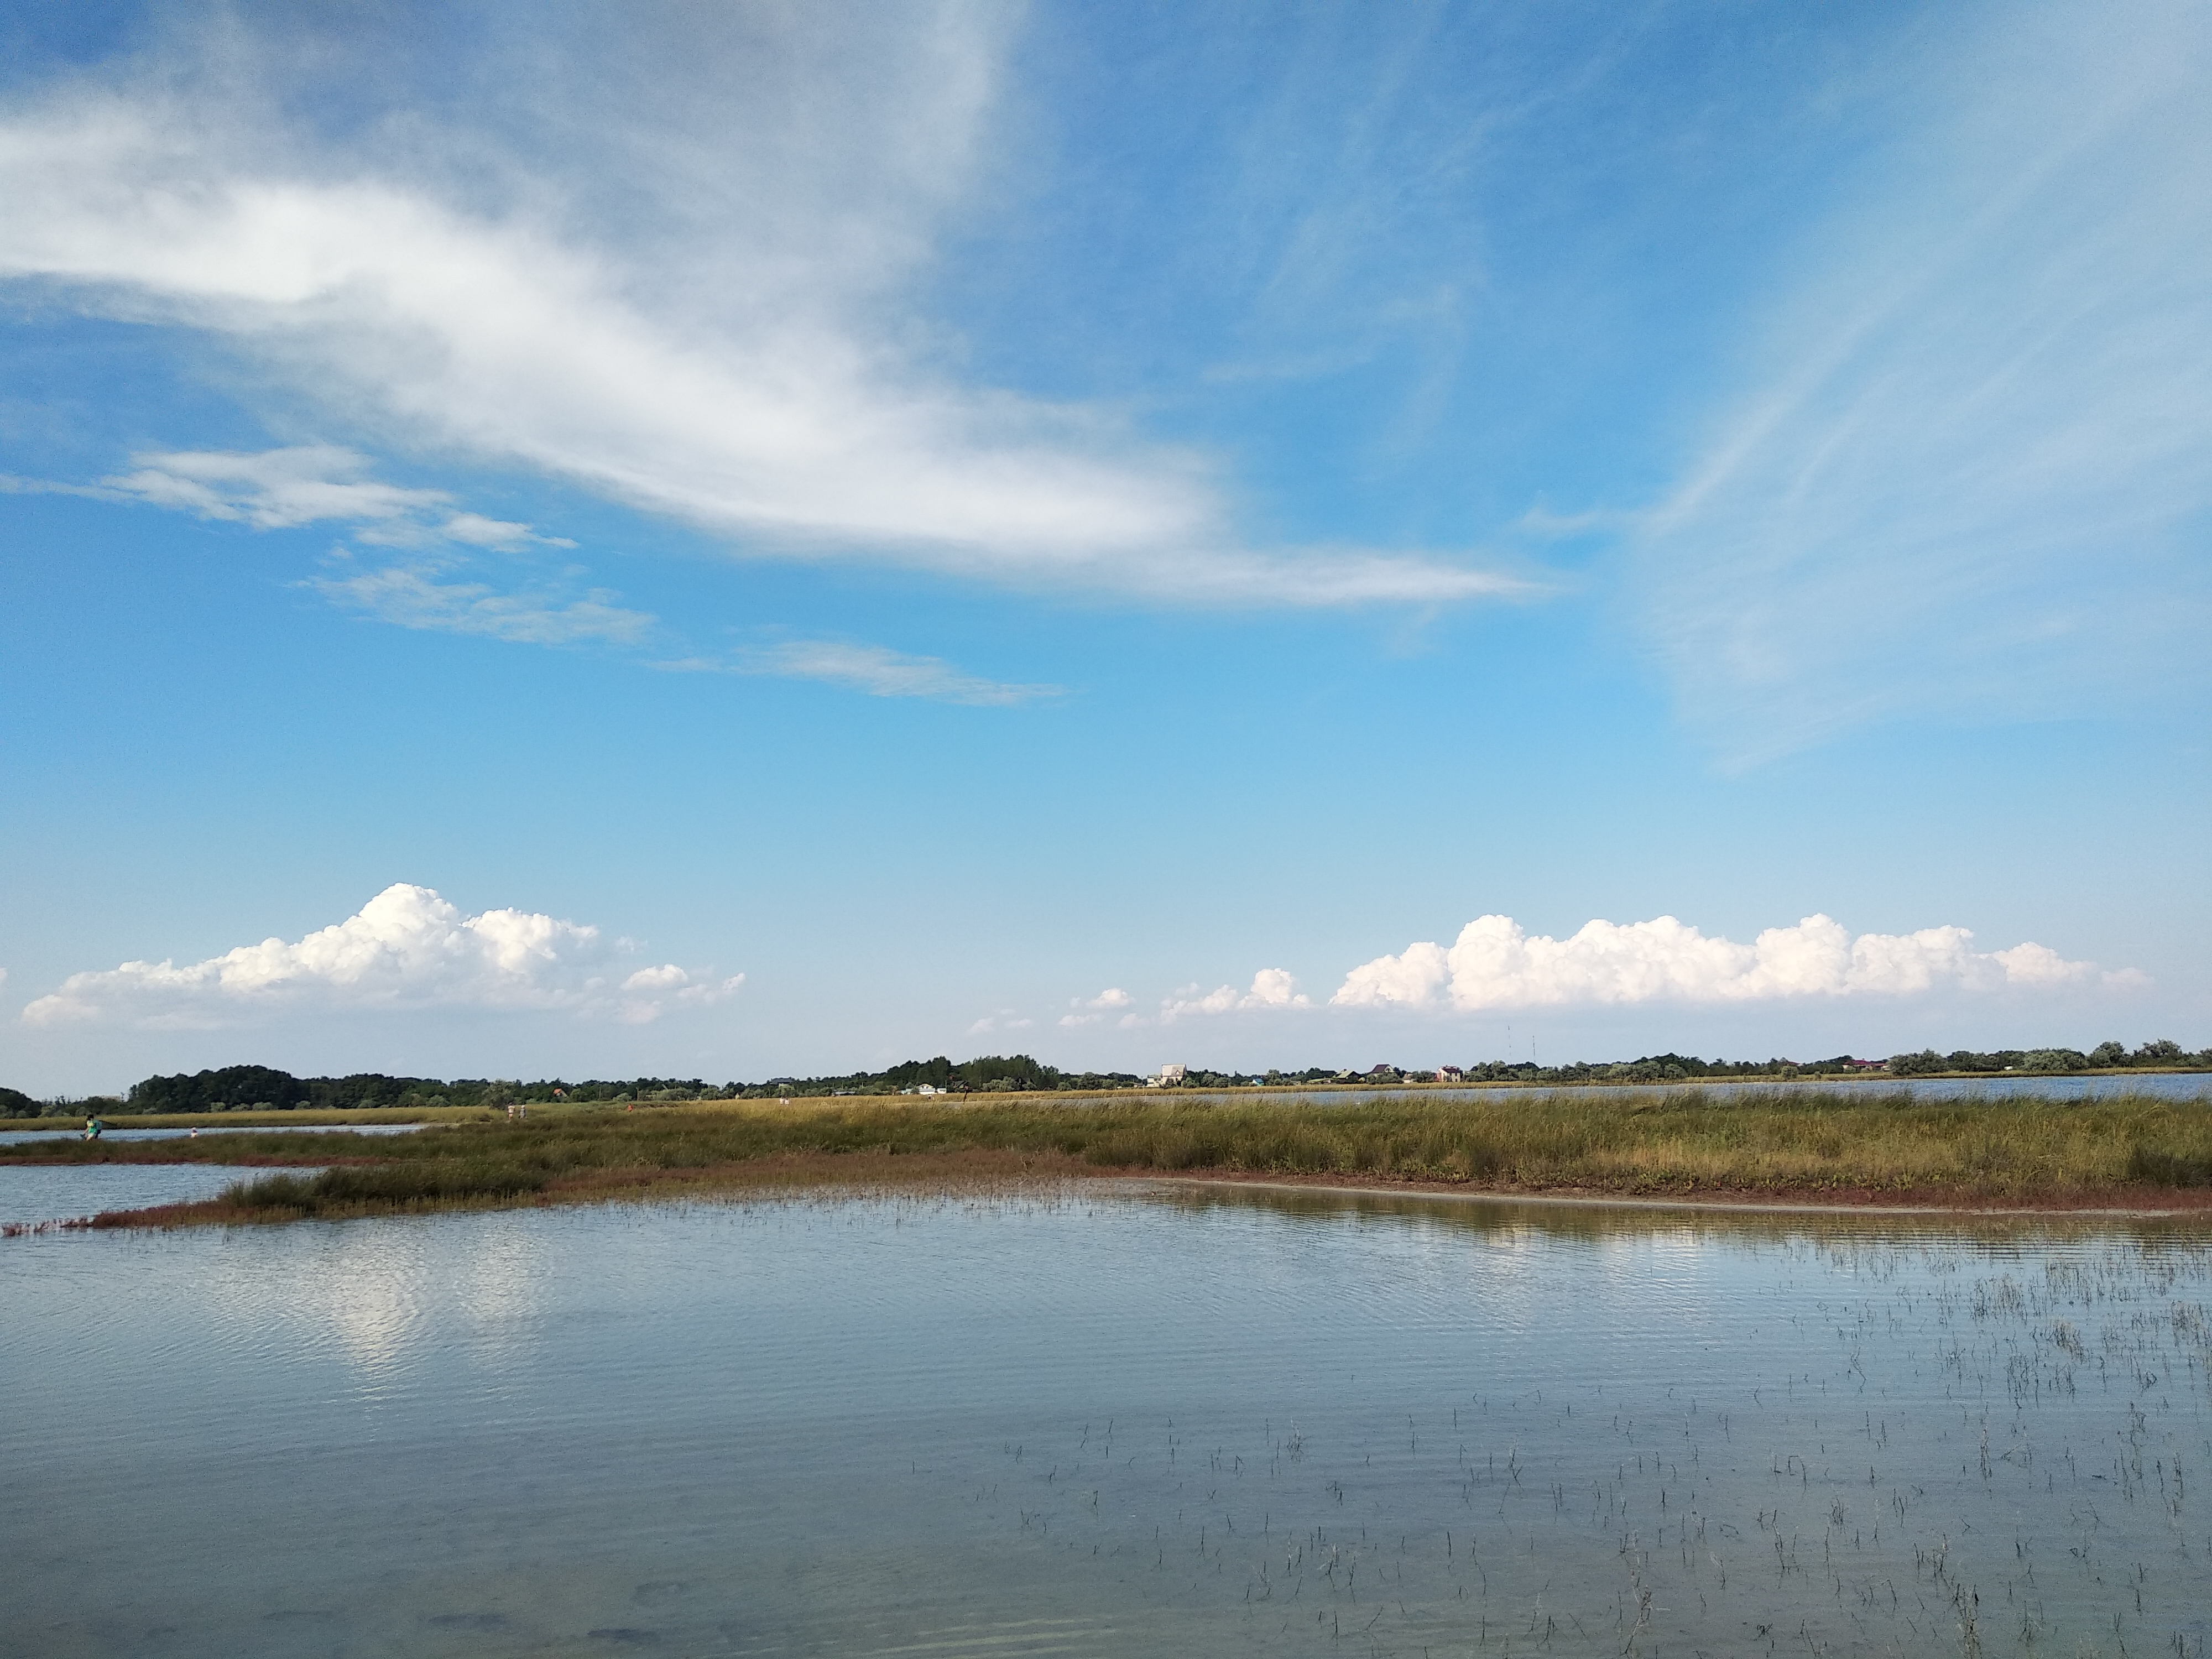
(938, 1073)
(1016, 1071)
(15, 1103)
(232, 1085)
(1966, 1060)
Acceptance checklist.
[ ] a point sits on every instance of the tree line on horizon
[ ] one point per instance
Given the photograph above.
(263, 1088)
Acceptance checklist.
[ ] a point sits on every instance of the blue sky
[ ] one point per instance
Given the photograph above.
(726, 541)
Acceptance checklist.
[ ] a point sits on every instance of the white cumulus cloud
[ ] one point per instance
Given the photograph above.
(1495, 964)
(1271, 987)
(650, 992)
(407, 948)
(1090, 1011)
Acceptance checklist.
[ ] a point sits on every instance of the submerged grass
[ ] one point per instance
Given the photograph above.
(1844, 1146)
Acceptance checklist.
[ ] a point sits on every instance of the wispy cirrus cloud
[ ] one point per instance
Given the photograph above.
(290, 487)
(409, 597)
(274, 488)
(1964, 466)
(879, 671)
(312, 483)
(408, 948)
(682, 292)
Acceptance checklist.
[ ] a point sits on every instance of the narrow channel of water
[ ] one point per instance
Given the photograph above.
(12, 1136)
(1995, 1086)
(1105, 1421)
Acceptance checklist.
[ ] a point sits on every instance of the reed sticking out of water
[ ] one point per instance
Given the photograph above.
(1840, 1146)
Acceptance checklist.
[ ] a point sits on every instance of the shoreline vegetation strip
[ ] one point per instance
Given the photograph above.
(1847, 1147)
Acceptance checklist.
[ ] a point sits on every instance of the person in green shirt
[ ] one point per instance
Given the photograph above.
(92, 1127)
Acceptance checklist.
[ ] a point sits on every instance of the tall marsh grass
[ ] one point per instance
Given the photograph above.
(1852, 1143)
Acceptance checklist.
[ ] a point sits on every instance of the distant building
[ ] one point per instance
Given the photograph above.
(1449, 1074)
(1866, 1065)
(1169, 1076)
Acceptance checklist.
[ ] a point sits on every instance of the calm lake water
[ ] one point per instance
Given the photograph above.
(2167, 1085)
(75, 1127)
(31, 1194)
(1106, 1421)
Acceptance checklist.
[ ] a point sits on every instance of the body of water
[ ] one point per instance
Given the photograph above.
(30, 1194)
(2167, 1085)
(75, 1127)
(1110, 1419)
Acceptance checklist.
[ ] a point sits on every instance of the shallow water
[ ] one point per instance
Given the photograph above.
(1108, 1421)
(1995, 1086)
(10, 1137)
(32, 1194)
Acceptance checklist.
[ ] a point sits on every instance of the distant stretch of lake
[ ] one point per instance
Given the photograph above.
(1109, 1420)
(2171, 1085)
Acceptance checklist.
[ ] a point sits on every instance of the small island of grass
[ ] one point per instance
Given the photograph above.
(2128, 1151)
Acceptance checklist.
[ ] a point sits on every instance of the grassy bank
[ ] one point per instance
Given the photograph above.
(1795, 1145)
